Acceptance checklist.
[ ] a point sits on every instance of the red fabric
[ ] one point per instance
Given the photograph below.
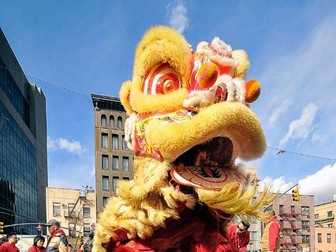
(192, 233)
(124, 249)
(237, 240)
(8, 247)
(274, 231)
(36, 249)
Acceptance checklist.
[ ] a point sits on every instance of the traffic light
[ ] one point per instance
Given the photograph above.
(296, 194)
(1, 227)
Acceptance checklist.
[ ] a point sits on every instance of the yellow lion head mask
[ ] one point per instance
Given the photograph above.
(189, 121)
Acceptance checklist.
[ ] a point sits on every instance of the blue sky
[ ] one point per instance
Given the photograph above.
(74, 48)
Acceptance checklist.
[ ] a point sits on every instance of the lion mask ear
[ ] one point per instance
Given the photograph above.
(243, 65)
(124, 95)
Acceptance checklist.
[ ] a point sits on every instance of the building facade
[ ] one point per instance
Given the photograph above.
(75, 209)
(325, 226)
(297, 222)
(23, 146)
(113, 159)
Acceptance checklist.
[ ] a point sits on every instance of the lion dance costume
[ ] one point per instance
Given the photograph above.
(189, 121)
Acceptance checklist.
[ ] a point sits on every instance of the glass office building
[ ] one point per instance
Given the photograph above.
(23, 147)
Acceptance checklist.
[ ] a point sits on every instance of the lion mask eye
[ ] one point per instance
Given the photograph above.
(162, 79)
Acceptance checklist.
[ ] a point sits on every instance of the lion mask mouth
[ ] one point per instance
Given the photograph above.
(208, 166)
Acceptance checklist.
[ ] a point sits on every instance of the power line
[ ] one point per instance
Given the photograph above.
(58, 86)
(281, 151)
(47, 82)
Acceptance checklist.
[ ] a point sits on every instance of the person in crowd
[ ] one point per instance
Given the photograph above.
(38, 243)
(3, 239)
(57, 241)
(89, 243)
(270, 240)
(10, 244)
(239, 236)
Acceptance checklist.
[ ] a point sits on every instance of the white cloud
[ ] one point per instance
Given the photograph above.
(302, 74)
(278, 184)
(301, 128)
(64, 144)
(177, 15)
(319, 137)
(322, 184)
(280, 110)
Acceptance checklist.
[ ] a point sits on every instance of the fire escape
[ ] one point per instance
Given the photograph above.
(290, 234)
(74, 214)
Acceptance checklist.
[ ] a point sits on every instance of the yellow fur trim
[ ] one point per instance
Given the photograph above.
(143, 204)
(243, 64)
(163, 45)
(142, 103)
(124, 95)
(160, 45)
(234, 198)
(231, 119)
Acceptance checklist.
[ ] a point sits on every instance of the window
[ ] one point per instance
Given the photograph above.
(105, 162)
(86, 229)
(112, 121)
(104, 140)
(115, 183)
(72, 231)
(103, 120)
(115, 142)
(56, 209)
(328, 238)
(317, 216)
(124, 144)
(292, 209)
(71, 210)
(254, 236)
(105, 201)
(119, 122)
(305, 224)
(319, 238)
(281, 208)
(125, 178)
(330, 225)
(330, 214)
(305, 210)
(86, 211)
(115, 164)
(105, 183)
(305, 239)
(125, 164)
